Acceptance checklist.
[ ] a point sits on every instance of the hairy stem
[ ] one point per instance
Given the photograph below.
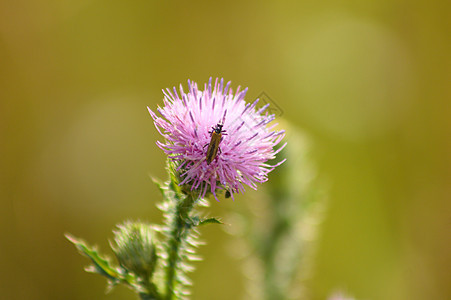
(179, 229)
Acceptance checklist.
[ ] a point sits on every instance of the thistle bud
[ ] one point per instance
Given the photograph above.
(135, 249)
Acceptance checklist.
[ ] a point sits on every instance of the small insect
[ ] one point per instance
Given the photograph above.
(213, 146)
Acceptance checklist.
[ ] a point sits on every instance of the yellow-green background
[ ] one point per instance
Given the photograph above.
(369, 81)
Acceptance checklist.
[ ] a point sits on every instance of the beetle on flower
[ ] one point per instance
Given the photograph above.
(238, 158)
(216, 138)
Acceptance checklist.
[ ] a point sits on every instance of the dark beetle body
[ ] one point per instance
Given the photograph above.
(213, 146)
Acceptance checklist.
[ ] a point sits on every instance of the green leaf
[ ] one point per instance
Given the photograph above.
(210, 221)
(100, 265)
(196, 221)
(161, 186)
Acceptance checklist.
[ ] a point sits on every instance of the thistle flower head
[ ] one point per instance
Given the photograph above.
(217, 139)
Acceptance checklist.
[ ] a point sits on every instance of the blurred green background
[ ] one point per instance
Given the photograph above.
(368, 81)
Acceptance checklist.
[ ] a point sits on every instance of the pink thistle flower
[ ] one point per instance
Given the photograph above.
(243, 150)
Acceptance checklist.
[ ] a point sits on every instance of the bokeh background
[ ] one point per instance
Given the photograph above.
(368, 82)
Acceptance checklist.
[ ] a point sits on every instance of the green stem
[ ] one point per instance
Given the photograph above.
(179, 230)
